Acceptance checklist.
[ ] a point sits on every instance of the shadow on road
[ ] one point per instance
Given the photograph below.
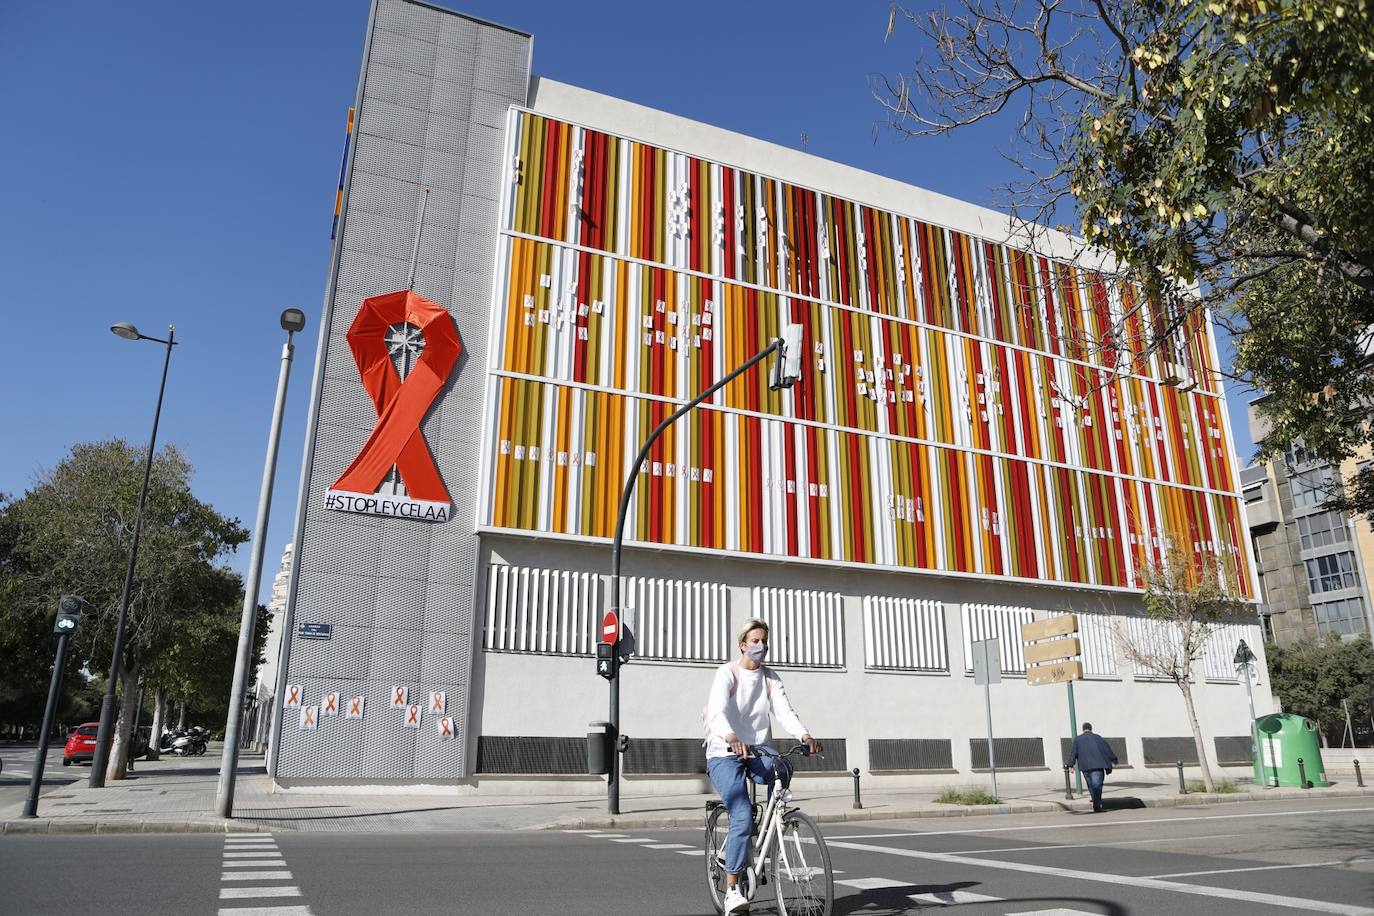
(890, 901)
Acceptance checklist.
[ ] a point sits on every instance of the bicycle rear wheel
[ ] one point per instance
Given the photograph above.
(717, 825)
(801, 871)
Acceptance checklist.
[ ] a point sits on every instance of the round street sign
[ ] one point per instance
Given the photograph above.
(610, 628)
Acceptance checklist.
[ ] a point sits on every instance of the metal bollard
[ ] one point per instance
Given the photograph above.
(1302, 775)
(858, 804)
(1068, 786)
(1359, 780)
(1182, 789)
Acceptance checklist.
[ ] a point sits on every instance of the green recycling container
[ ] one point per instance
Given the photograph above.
(1283, 738)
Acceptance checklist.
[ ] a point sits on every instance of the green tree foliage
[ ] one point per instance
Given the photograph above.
(70, 534)
(1313, 678)
(1220, 150)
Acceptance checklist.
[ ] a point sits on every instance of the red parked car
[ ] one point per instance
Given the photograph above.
(80, 744)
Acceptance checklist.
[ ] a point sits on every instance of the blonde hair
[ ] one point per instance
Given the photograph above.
(753, 624)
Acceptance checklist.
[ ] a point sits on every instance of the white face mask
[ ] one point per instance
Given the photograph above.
(758, 652)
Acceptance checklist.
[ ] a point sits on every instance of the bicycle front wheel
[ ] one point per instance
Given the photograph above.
(717, 825)
(802, 876)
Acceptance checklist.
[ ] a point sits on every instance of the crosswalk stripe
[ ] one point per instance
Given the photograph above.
(949, 898)
(279, 890)
(605, 836)
(1056, 912)
(246, 837)
(634, 839)
(691, 852)
(249, 847)
(254, 875)
(256, 863)
(251, 855)
(668, 846)
(581, 831)
(265, 911)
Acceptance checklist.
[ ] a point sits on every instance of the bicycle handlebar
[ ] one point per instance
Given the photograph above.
(759, 750)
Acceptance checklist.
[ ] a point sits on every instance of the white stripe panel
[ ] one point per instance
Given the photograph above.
(989, 621)
(679, 620)
(807, 626)
(1095, 634)
(541, 610)
(904, 634)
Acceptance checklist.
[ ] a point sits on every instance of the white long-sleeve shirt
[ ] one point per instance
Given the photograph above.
(740, 702)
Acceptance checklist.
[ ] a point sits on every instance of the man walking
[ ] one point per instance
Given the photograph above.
(1095, 760)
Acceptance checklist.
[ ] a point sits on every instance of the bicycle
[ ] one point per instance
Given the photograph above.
(785, 846)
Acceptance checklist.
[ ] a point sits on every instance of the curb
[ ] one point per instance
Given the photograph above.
(54, 825)
(1178, 801)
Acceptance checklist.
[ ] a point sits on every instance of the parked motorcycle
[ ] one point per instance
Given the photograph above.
(187, 742)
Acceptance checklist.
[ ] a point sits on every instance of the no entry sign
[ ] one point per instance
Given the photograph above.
(610, 628)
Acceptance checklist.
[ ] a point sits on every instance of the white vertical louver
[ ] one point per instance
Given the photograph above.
(990, 621)
(1218, 660)
(541, 610)
(1097, 638)
(904, 634)
(807, 628)
(1147, 636)
(678, 620)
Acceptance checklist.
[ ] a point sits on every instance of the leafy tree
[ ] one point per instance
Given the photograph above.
(1315, 679)
(1219, 150)
(70, 534)
(1187, 599)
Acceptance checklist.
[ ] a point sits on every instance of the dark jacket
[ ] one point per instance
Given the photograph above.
(1091, 752)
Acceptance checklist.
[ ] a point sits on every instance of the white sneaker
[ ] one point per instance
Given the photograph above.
(735, 902)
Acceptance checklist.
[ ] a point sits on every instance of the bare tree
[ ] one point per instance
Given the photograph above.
(1184, 599)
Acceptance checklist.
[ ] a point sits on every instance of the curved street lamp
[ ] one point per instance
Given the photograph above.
(100, 758)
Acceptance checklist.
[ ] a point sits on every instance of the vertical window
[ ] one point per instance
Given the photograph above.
(1331, 572)
(987, 621)
(805, 627)
(1344, 616)
(1323, 529)
(1310, 488)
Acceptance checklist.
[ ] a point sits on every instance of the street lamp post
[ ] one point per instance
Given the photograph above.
(107, 704)
(292, 320)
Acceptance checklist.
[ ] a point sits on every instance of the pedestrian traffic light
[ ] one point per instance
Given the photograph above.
(68, 614)
(605, 660)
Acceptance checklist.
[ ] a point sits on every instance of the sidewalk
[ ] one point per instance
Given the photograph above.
(177, 795)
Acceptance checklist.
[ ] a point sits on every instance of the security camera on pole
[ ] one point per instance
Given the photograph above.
(786, 372)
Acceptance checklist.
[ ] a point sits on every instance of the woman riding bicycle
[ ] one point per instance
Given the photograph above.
(743, 694)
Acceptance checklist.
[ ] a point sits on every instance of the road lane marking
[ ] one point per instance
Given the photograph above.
(1074, 825)
(265, 911)
(239, 893)
(691, 852)
(668, 846)
(252, 855)
(634, 839)
(1312, 906)
(259, 863)
(254, 875)
(1055, 912)
(581, 831)
(1102, 845)
(1228, 871)
(604, 836)
(952, 898)
(239, 847)
(873, 884)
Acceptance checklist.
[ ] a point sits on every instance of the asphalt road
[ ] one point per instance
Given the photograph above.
(17, 763)
(1250, 858)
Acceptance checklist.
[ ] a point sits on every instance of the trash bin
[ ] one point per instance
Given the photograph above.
(599, 748)
(1283, 738)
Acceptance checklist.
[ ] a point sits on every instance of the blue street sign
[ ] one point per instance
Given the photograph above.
(315, 630)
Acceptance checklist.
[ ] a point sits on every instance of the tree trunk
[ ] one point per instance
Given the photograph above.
(181, 716)
(1187, 688)
(159, 714)
(119, 751)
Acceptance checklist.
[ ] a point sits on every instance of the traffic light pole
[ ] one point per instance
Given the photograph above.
(36, 782)
(613, 777)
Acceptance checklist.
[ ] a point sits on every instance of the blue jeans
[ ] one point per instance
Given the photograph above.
(728, 775)
(1094, 778)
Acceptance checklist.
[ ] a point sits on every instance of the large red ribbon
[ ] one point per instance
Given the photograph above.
(396, 440)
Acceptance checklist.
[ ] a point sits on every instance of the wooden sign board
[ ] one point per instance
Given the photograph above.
(1050, 627)
(1052, 650)
(1057, 673)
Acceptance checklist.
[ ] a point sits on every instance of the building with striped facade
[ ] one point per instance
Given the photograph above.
(980, 438)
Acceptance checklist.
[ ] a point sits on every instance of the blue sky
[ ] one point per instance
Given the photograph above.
(172, 162)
